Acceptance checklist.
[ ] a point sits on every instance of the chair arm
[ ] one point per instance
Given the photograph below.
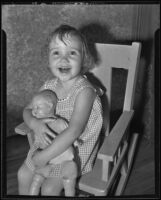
(113, 140)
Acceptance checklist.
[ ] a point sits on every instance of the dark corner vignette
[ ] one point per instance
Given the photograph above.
(3, 115)
(157, 112)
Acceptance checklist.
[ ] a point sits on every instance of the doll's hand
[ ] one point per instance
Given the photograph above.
(43, 132)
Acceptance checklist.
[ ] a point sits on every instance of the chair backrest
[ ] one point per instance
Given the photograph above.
(117, 56)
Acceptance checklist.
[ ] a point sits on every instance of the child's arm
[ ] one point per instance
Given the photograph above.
(77, 124)
(38, 126)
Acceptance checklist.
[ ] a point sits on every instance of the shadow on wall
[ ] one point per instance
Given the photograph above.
(96, 33)
(144, 90)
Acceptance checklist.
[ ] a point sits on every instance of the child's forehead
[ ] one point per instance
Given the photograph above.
(67, 39)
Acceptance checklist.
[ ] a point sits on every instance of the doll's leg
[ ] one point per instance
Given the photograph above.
(25, 176)
(52, 186)
(69, 176)
(36, 184)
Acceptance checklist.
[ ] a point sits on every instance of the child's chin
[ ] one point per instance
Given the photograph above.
(64, 78)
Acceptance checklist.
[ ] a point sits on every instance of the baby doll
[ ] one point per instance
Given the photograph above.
(43, 106)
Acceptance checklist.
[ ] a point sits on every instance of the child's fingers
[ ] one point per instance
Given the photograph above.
(47, 140)
(50, 133)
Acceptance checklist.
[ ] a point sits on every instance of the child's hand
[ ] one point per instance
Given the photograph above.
(42, 131)
(38, 160)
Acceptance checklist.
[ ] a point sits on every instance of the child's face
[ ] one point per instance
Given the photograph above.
(65, 59)
(41, 108)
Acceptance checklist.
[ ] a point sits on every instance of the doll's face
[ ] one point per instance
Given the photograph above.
(42, 108)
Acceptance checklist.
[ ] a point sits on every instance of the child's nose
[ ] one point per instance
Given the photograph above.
(65, 58)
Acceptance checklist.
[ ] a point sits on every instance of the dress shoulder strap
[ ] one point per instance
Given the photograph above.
(81, 85)
(49, 84)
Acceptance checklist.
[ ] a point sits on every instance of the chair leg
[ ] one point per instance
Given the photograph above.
(80, 193)
(126, 167)
(122, 181)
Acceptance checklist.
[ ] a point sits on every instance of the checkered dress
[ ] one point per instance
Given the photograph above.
(85, 150)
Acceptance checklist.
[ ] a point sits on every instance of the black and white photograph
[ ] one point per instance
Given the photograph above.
(80, 91)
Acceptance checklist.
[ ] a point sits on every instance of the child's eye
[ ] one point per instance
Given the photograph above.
(56, 53)
(73, 53)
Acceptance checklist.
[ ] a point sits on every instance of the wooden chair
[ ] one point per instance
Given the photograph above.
(115, 156)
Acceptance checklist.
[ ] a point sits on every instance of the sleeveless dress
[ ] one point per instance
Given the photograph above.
(88, 142)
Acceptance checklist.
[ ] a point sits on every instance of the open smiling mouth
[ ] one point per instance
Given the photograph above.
(64, 70)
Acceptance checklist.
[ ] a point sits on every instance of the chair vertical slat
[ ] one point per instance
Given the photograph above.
(106, 170)
(132, 76)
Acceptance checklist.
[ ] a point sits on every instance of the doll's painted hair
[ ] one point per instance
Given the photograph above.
(62, 32)
(49, 95)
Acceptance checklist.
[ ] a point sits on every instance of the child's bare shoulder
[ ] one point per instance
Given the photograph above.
(86, 96)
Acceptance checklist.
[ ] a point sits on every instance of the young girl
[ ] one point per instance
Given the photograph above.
(43, 107)
(78, 102)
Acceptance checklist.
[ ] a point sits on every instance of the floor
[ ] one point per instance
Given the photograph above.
(141, 180)
(142, 177)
